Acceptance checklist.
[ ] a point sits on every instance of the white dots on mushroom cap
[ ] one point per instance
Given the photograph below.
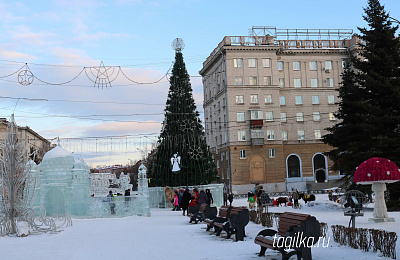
(388, 173)
(369, 174)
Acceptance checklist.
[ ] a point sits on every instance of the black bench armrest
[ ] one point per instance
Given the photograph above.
(267, 233)
(220, 220)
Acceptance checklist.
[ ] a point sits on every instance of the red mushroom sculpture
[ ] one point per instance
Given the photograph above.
(378, 171)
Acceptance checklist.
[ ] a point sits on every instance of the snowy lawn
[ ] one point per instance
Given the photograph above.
(167, 234)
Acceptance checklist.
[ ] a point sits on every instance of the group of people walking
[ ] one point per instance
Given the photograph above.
(183, 198)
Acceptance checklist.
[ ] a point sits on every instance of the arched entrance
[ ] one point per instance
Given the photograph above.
(293, 166)
(54, 202)
(319, 167)
(257, 168)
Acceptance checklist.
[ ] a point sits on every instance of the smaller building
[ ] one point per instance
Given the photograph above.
(32, 141)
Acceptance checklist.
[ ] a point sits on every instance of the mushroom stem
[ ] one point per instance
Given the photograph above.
(380, 210)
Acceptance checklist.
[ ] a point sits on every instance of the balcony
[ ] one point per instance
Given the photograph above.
(257, 141)
(256, 123)
(257, 137)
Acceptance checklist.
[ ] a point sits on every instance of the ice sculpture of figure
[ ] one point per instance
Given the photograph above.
(176, 163)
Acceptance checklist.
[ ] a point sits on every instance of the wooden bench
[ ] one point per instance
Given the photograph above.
(234, 223)
(296, 227)
(200, 213)
(222, 217)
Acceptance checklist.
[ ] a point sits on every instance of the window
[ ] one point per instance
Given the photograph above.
(237, 63)
(284, 136)
(268, 99)
(266, 63)
(280, 65)
(293, 163)
(315, 100)
(332, 116)
(252, 81)
(240, 99)
(254, 99)
(328, 64)
(301, 135)
(316, 116)
(257, 133)
(296, 65)
(242, 154)
(314, 83)
(282, 83)
(267, 80)
(344, 64)
(317, 134)
(252, 63)
(299, 116)
(282, 100)
(238, 81)
(283, 117)
(240, 116)
(270, 134)
(217, 164)
(331, 99)
(329, 82)
(313, 65)
(297, 83)
(299, 100)
(271, 153)
(241, 135)
(269, 116)
(256, 114)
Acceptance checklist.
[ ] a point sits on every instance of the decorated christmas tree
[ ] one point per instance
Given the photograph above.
(182, 156)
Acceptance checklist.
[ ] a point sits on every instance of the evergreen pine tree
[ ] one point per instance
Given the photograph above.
(369, 109)
(182, 134)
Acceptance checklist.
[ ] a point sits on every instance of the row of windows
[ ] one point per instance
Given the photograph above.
(252, 63)
(271, 134)
(266, 63)
(269, 116)
(267, 80)
(271, 153)
(282, 99)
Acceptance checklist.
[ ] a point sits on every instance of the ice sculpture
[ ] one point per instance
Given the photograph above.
(64, 184)
(143, 192)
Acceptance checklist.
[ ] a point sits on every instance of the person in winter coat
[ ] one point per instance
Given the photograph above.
(176, 201)
(111, 201)
(186, 197)
(225, 198)
(202, 197)
(209, 197)
(195, 200)
(180, 194)
(296, 197)
(230, 198)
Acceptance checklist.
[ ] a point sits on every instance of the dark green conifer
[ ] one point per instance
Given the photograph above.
(369, 110)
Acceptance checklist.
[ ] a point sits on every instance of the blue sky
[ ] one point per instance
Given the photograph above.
(58, 38)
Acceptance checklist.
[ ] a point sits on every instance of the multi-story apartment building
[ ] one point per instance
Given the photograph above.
(32, 141)
(268, 99)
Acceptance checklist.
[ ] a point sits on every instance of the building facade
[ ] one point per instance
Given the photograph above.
(268, 99)
(32, 141)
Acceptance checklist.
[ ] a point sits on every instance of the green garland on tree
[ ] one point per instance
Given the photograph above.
(182, 135)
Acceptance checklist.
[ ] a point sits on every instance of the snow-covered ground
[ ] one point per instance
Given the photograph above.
(168, 235)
